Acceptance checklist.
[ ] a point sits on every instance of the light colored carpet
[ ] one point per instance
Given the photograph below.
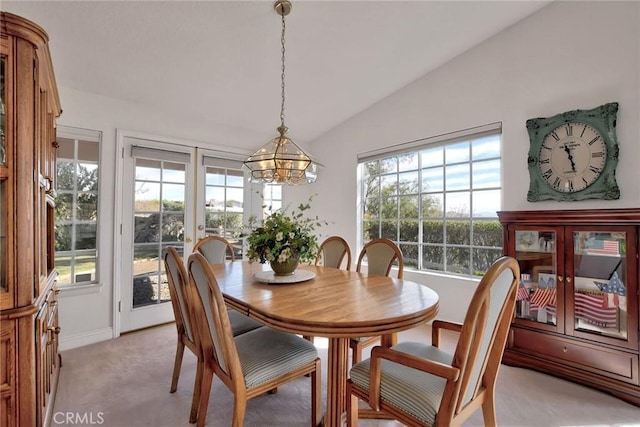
(125, 383)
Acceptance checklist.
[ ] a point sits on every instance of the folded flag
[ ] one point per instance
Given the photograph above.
(615, 287)
(592, 309)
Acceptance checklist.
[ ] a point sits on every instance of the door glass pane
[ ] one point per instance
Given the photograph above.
(3, 103)
(3, 183)
(536, 299)
(224, 203)
(3, 237)
(158, 219)
(600, 291)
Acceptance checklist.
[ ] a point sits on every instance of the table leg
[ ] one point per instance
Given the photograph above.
(337, 371)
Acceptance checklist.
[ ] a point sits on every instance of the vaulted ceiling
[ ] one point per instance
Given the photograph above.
(219, 61)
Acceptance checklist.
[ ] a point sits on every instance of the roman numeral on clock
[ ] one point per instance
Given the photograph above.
(569, 130)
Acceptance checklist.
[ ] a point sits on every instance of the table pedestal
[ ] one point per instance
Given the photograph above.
(337, 372)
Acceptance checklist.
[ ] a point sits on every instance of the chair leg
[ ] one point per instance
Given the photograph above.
(177, 365)
(489, 409)
(193, 416)
(316, 396)
(205, 390)
(356, 356)
(352, 408)
(239, 409)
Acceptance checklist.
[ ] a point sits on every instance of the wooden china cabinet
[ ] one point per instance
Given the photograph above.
(577, 306)
(29, 359)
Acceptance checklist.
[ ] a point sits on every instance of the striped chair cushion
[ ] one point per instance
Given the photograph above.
(266, 354)
(241, 323)
(412, 391)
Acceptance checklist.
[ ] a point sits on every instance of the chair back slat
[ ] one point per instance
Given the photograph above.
(381, 254)
(333, 251)
(481, 342)
(177, 279)
(215, 249)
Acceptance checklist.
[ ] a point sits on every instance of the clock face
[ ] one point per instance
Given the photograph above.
(572, 157)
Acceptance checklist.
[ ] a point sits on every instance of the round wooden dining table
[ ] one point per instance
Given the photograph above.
(337, 304)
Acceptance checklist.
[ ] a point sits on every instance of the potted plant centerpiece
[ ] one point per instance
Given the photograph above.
(284, 239)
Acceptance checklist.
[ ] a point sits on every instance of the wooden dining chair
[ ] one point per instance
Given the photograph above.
(215, 249)
(183, 312)
(381, 255)
(426, 386)
(333, 251)
(248, 364)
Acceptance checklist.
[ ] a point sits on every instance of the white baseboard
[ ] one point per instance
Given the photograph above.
(85, 338)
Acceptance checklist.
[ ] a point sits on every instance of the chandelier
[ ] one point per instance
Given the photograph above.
(281, 161)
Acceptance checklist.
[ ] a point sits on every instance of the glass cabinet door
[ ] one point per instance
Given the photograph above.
(4, 187)
(600, 283)
(537, 297)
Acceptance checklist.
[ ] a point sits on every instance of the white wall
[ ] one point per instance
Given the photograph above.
(569, 55)
(86, 314)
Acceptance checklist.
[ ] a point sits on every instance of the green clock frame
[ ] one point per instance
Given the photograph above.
(602, 119)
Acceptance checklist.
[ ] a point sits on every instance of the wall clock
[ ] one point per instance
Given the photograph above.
(573, 155)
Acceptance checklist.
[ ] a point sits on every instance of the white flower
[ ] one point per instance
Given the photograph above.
(279, 236)
(284, 255)
(292, 235)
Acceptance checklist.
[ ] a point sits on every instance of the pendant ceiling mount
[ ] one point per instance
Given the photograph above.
(281, 161)
(283, 7)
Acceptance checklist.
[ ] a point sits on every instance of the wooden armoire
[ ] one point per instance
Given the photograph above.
(29, 359)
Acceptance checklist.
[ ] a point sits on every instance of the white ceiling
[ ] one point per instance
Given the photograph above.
(220, 60)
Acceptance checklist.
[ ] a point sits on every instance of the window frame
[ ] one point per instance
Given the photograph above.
(79, 135)
(417, 195)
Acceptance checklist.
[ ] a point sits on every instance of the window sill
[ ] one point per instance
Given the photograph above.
(441, 275)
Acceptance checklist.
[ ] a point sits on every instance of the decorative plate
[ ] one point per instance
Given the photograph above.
(297, 277)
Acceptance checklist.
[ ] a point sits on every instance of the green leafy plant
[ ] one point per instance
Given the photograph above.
(284, 235)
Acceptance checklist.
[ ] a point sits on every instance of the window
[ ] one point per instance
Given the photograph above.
(76, 212)
(224, 202)
(437, 199)
(272, 198)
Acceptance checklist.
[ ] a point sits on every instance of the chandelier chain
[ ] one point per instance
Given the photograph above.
(283, 69)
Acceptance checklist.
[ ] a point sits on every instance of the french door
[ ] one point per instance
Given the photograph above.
(224, 198)
(158, 189)
(172, 195)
